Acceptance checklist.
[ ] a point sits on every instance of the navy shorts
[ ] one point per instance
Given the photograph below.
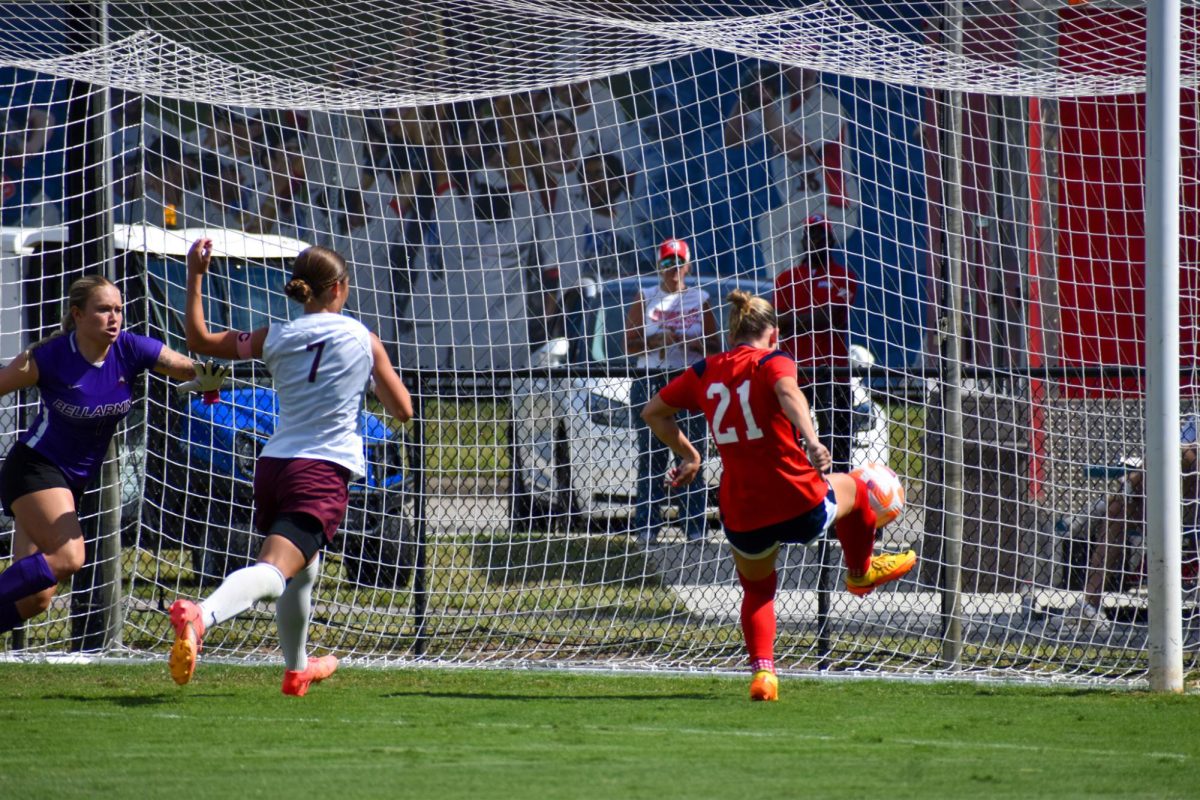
(803, 529)
(320, 489)
(26, 471)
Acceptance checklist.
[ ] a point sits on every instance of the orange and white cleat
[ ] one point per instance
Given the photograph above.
(885, 567)
(764, 686)
(297, 681)
(188, 622)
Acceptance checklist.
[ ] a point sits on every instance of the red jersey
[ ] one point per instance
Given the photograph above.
(805, 292)
(767, 478)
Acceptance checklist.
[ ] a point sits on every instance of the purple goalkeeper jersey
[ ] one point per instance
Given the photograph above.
(82, 403)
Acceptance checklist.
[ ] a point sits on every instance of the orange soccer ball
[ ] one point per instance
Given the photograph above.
(885, 492)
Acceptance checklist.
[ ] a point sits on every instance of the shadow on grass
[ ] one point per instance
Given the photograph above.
(131, 700)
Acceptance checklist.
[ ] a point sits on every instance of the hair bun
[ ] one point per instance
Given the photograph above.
(299, 290)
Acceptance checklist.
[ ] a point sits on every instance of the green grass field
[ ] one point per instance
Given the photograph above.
(127, 731)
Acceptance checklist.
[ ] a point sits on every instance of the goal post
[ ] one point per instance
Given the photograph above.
(500, 175)
(1163, 538)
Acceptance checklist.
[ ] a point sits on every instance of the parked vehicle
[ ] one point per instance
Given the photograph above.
(574, 444)
(221, 443)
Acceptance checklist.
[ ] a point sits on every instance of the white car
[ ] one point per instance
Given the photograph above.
(574, 445)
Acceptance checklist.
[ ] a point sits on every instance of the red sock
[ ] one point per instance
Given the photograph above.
(758, 618)
(856, 531)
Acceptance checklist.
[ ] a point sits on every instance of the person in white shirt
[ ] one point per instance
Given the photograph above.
(615, 230)
(320, 365)
(790, 119)
(368, 239)
(669, 327)
(562, 214)
(470, 306)
(600, 120)
(222, 201)
(331, 149)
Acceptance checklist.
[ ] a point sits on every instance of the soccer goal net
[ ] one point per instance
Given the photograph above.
(500, 175)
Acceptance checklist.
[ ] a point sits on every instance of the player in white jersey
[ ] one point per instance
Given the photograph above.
(321, 364)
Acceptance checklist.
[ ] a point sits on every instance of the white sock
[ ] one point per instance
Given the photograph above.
(240, 590)
(292, 612)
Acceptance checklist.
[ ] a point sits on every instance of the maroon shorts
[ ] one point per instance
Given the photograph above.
(310, 486)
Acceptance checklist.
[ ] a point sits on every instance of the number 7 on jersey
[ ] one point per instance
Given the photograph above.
(319, 347)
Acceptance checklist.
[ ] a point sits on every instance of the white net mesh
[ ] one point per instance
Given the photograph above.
(500, 175)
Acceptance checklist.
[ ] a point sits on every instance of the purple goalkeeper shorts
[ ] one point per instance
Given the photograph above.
(310, 486)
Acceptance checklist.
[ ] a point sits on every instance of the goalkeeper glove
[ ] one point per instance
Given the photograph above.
(209, 379)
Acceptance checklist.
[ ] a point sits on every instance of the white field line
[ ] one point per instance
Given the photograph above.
(657, 731)
(818, 737)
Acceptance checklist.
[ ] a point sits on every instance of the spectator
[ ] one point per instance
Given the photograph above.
(668, 327)
(163, 197)
(25, 197)
(280, 203)
(330, 152)
(367, 242)
(517, 116)
(1116, 536)
(599, 118)
(476, 262)
(403, 155)
(613, 236)
(561, 211)
(813, 301)
(233, 134)
(136, 126)
(802, 130)
(405, 148)
(222, 201)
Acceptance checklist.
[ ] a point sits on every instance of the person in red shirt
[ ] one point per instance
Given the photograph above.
(774, 488)
(813, 302)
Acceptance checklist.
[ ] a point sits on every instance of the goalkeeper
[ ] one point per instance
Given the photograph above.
(772, 489)
(84, 374)
(320, 364)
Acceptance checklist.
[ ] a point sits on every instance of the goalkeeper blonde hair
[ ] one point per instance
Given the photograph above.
(78, 295)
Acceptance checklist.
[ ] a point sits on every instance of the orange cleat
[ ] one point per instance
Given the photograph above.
(764, 686)
(189, 631)
(885, 567)
(297, 681)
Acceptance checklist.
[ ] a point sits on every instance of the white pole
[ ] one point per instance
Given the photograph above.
(952, 419)
(1162, 484)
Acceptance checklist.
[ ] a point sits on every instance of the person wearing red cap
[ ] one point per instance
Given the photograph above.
(813, 301)
(670, 326)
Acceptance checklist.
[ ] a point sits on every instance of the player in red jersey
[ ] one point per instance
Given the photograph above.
(774, 488)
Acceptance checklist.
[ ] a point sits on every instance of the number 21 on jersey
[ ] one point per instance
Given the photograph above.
(720, 392)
